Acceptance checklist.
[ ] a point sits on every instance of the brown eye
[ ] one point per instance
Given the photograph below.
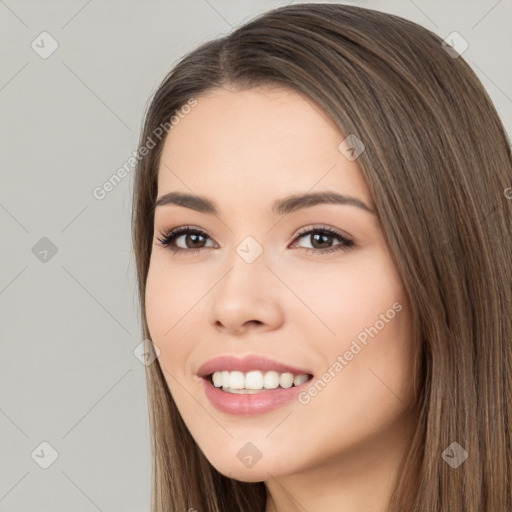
(194, 239)
(320, 240)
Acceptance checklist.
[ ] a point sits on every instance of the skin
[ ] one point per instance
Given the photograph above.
(243, 150)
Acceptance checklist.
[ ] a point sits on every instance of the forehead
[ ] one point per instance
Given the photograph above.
(241, 145)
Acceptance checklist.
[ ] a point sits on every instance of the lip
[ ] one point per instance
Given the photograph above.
(256, 403)
(246, 364)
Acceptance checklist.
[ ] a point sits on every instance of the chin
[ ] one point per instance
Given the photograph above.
(236, 469)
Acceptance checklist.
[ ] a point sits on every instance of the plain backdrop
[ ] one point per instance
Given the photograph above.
(73, 394)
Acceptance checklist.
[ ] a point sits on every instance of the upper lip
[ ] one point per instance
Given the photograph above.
(246, 364)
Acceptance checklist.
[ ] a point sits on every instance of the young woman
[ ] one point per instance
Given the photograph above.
(322, 227)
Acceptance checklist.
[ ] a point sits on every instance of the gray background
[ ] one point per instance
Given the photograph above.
(70, 319)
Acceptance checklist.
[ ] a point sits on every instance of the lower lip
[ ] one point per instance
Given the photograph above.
(256, 403)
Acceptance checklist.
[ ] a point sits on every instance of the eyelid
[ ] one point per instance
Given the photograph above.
(322, 227)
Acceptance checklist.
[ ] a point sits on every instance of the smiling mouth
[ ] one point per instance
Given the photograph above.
(255, 381)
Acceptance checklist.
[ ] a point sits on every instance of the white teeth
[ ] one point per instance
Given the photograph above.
(254, 381)
(299, 379)
(217, 379)
(271, 380)
(236, 380)
(286, 380)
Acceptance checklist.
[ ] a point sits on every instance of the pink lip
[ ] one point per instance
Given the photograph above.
(247, 364)
(246, 404)
(257, 403)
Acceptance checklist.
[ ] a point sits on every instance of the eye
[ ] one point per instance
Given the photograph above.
(195, 239)
(319, 237)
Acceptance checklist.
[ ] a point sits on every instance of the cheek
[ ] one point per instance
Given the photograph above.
(368, 382)
(345, 298)
(375, 380)
(167, 301)
(374, 324)
(170, 295)
(364, 306)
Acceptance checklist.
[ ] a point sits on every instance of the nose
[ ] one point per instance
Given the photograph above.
(248, 296)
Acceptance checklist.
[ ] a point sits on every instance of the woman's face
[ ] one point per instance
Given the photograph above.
(272, 283)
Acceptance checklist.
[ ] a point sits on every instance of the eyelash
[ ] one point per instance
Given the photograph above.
(169, 237)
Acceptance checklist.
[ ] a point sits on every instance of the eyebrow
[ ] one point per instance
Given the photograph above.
(283, 206)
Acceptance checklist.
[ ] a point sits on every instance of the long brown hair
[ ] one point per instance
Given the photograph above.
(438, 164)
